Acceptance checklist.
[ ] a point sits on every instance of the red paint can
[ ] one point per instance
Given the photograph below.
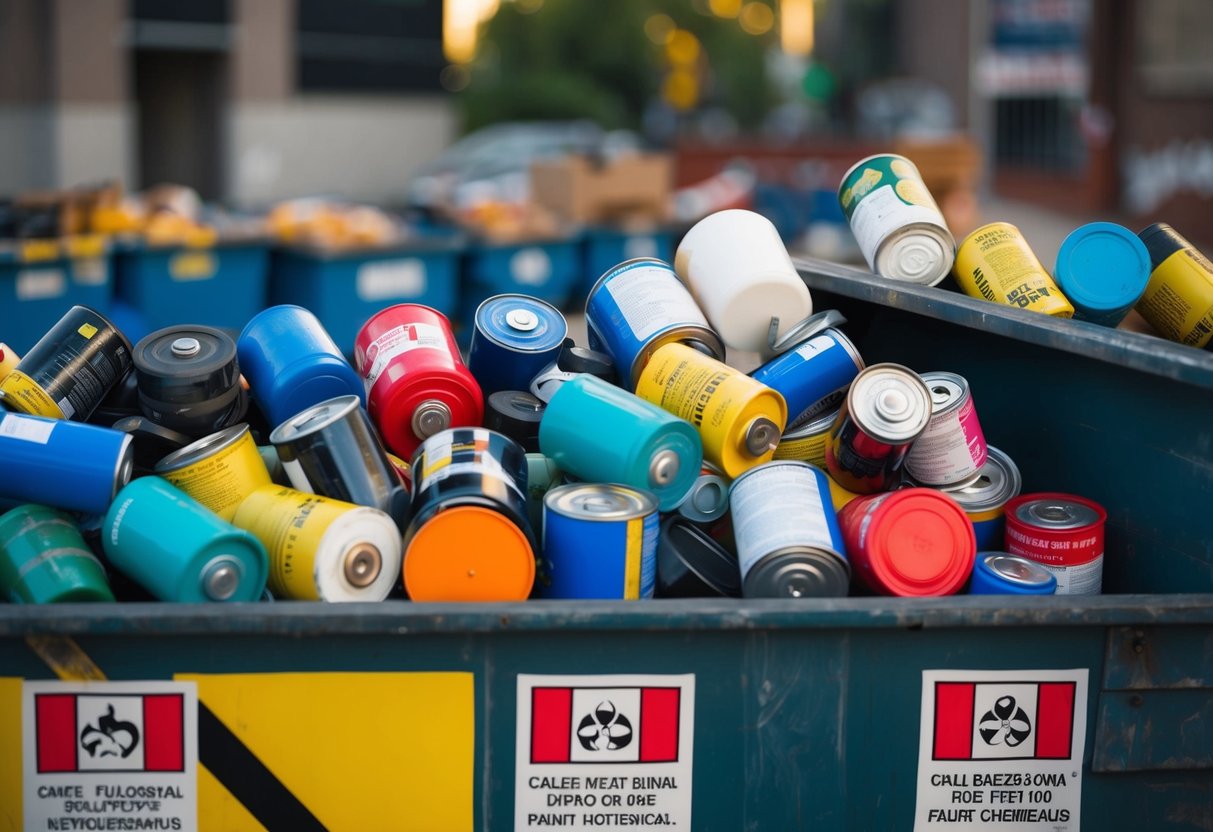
(416, 382)
(912, 542)
(1063, 533)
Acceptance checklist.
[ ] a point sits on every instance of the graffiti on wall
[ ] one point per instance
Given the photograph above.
(1154, 175)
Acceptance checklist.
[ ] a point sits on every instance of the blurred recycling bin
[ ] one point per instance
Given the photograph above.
(40, 279)
(605, 247)
(549, 268)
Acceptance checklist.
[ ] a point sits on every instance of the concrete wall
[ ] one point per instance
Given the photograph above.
(933, 42)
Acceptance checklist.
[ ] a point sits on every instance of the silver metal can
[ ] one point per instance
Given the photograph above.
(953, 448)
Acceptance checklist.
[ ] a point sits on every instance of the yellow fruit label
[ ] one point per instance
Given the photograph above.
(914, 192)
(22, 393)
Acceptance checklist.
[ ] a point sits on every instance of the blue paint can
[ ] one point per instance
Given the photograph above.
(1103, 269)
(813, 376)
(291, 363)
(64, 464)
(514, 339)
(640, 306)
(599, 541)
(178, 550)
(601, 433)
(998, 573)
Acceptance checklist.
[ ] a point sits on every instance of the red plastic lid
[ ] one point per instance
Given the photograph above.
(920, 543)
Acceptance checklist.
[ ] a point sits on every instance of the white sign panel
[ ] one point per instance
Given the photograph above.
(1001, 750)
(110, 755)
(604, 752)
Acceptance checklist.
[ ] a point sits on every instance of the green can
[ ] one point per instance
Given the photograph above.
(44, 559)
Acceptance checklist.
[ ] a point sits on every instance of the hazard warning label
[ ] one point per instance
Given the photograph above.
(109, 756)
(1001, 750)
(604, 752)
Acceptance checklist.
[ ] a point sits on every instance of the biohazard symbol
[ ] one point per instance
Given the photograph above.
(1005, 724)
(110, 738)
(605, 729)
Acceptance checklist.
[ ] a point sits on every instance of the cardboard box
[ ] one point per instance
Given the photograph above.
(585, 191)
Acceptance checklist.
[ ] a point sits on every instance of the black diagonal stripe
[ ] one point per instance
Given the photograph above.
(246, 777)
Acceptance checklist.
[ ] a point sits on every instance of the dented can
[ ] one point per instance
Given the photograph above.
(1062, 532)
(952, 449)
(219, 470)
(996, 263)
(1178, 301)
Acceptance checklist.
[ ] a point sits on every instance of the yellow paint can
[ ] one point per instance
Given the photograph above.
(996, 263)
(219, 470)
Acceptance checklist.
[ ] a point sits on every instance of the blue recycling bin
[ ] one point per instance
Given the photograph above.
(41, 279)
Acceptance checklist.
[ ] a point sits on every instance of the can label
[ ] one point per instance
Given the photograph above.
(810, 449)
(778, 507)
(1076, 562)
(651, 298)
(396, 342)
(222, 480)
(442, 458)
(951, 449)
(640, 579)
(1178, 300)
(291, 527)
(882, 195)
(28, 430)
(23, 393)
(996, 263)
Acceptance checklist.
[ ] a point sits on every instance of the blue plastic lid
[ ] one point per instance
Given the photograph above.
(522, 323)
(1102, 266)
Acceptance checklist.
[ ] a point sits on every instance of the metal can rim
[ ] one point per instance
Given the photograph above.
(305, 422)
(520, 347)
(559, 498)
(205, 447)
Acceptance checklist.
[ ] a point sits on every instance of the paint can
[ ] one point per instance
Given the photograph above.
(789, 544)
(469, 538)
(640, 306)
(740, 274)
(219, 470)
(1062, 532)
(600, 541)
(952, 449)
(708, 499)
(542, 475)
(573, 361)
(807, 442)
(898, 226)
(292, 363)
(913, 542)
(999, 573)
(71, 369)
(1102, 268)
(1178, 301)
(887, 407)
(692, 564)
(996, 263)
(322, 549)
(179, 550)
(813, 376)
(517, 415)
(632, 442)
(984, 499)
(44, 559)
(331, 449)
(8, 360)
(513, 338)
(417, 384)
(739, 419)
(189, 380)
(64, 464)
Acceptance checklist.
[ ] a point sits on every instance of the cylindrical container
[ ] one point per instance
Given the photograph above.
(896, 222)
(513, 338)
(70, 370)
(291, 363)
(912, 542)
(219, 470)
(1102, 268)
(708, 498)
(691, 564)
(189, 380)
(998, 573)
(273, 465)
(63, 464)
(638, 307)
(996, 263)
(517, 415)
(573, 360)
(984, 498)
(542, 475)
(840, 496)
(601, 433)
(1063, 533)
(887, 407)
(807, 442)
(469, 538)
(417, 384)
(8, 360)
(599, 541)
(321, 549)
(952, 448)
(44, 559)
(812, 377)
(739, 272)
(738, 419)
(1178, 301)
(789, 544)
(331, 449)
(178, 550)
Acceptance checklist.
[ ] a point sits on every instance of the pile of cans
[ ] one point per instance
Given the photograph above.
(1103, 270)
(200, 466)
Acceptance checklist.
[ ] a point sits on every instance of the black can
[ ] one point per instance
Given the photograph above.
(691, 564)
(189, 380)
(517, 415)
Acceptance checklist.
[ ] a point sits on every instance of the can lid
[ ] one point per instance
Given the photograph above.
(221, 578)
(314, 419)
(890, 403)
(599, 501)
(761, 436)
(521, 323)
(708, 498)
(799, 572)
(431, 416)
(690, 564)
(997, 482)
(1103, 266)
(1015, 569)
(469, 553)
(201, 449)
(186, 364)
(1056, 511)
(664, 467)
(920, 543)
(361, 564)
(947, 390)
(801, 331)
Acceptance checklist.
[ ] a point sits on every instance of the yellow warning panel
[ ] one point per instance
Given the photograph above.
(10, 755)
(359, 751)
